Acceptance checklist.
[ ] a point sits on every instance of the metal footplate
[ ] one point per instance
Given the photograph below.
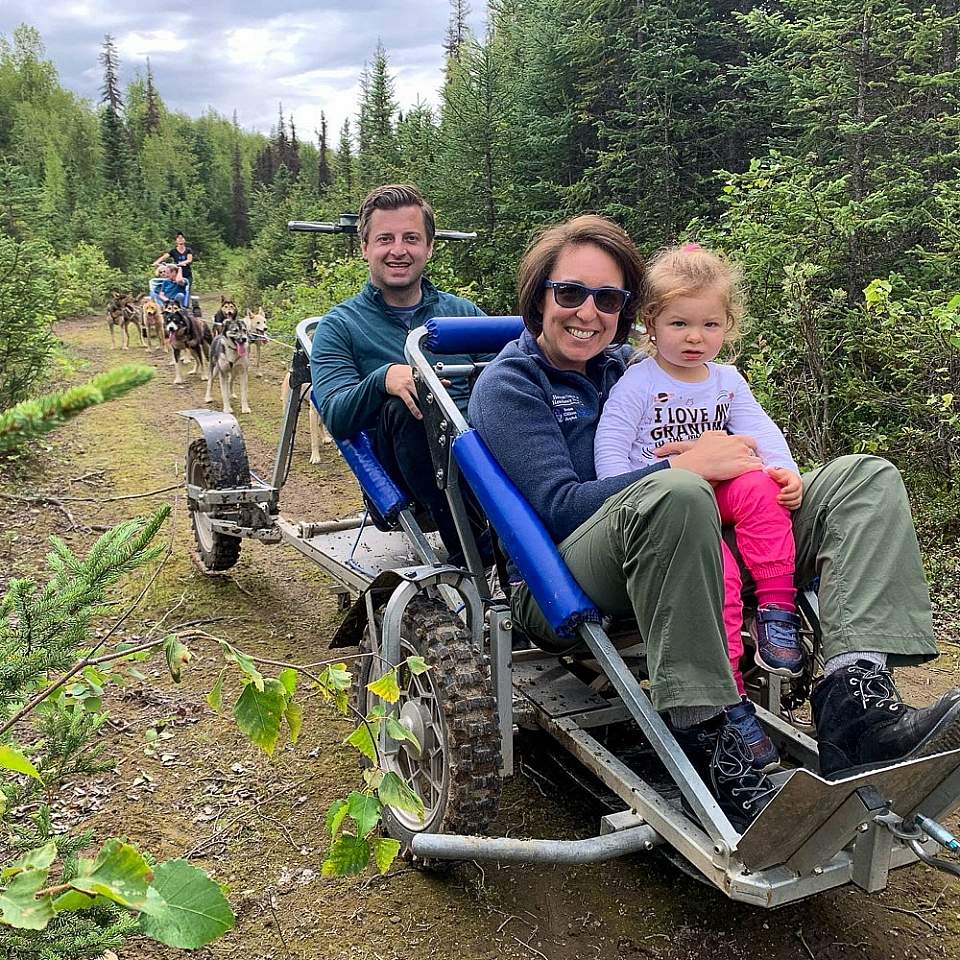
(811, 819)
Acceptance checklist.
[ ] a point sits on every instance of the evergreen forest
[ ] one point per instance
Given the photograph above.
(816, 143)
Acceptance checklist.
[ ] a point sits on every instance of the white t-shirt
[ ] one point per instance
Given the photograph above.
(648, 408)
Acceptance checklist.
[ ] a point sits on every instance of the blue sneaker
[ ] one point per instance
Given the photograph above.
(776, 633)
(763, 753)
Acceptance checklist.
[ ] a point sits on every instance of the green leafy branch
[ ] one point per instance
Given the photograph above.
(267, 705)
(178, 904)
(45, 629)
(352, 849)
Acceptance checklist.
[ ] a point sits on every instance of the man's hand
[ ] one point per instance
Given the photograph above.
(791, 487)
(399, 383)
(716, 456)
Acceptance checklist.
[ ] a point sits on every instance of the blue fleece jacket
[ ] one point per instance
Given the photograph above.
(539, 422)
(356, 342)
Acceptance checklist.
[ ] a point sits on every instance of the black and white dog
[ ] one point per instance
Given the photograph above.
(228, 311)
(230, 361)
(186, 332)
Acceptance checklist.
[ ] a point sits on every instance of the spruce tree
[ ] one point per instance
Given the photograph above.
(324, 173)
(458, 31)
(112, 130)
(378, 158)
(239, 221)
(151, 118)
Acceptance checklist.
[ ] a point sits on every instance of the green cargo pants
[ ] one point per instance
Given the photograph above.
(653, 551)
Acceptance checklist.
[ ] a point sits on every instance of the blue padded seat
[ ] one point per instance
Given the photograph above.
(559, 596)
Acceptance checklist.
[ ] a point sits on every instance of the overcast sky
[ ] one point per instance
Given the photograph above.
(248, 55)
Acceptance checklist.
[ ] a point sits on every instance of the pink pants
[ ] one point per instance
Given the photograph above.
(764, 534)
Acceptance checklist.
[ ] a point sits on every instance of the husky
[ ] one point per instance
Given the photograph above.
(186, 332)
(228, 311)
(257, 325)
(229, 361)
(121, 312)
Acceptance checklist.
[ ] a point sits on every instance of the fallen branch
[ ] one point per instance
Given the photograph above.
(911, 913)
(196, 848)
(59, 501)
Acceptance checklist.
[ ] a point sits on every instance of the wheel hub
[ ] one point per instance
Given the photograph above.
(415, 718)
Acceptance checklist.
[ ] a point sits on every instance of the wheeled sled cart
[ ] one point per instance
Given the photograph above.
(402, 597)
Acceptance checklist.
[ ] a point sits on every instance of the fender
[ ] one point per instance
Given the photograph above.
(228, 452)
(391, 582)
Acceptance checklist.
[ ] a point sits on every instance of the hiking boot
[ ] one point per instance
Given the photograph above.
(863, 724)
(718, 753)
(776, 633)
(744, 717)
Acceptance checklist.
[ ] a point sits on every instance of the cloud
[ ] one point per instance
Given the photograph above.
(247, 55)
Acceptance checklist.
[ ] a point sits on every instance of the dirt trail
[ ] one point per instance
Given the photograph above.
(257, 824)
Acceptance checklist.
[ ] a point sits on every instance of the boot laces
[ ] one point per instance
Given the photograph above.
(875, 688)
(734, 762)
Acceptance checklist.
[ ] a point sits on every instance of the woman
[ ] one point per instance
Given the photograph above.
(648, 543)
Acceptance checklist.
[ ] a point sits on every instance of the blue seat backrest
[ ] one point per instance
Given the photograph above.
(525, 538)
(471, 334)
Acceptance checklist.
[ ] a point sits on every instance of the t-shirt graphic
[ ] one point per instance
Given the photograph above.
(647, 408)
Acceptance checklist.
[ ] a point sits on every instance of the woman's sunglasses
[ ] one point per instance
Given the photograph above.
(605, 299)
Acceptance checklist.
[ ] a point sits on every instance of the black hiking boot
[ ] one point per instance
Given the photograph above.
(718, 753)
(863, 724)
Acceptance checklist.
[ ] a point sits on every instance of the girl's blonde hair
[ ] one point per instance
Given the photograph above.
(685, 271)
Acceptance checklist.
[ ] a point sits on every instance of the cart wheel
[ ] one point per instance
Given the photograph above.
(217, 550)
(452, 711)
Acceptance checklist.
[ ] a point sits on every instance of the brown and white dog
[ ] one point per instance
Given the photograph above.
(151, 322)
(230, 361)
(186, 332)
(257, 327)
(121, 312)
(228, 311)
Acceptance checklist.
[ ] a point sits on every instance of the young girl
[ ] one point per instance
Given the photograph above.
(693, 307)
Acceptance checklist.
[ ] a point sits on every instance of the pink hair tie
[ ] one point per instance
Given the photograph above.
(690, 248)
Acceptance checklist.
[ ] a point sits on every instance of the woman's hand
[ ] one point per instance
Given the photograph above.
(715, 455)
(791, 487)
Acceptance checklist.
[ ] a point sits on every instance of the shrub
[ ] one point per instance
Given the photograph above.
(28, 307)
(84, 280)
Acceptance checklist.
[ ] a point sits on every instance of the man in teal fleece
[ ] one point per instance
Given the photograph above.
(361, 379)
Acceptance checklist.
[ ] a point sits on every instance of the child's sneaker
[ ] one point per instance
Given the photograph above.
(763, 753)
(776, 633)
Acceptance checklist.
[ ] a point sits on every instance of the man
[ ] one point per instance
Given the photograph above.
(360, 377)
(171, 285)
(182, 256)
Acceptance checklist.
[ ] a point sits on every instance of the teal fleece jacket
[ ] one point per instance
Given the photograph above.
(355, 343)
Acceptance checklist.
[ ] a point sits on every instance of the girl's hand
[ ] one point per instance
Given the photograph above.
(791, 487)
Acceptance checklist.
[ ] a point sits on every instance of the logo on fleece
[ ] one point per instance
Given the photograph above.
(565, 407)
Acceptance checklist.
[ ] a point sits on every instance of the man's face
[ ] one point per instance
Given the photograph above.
(396, 249)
